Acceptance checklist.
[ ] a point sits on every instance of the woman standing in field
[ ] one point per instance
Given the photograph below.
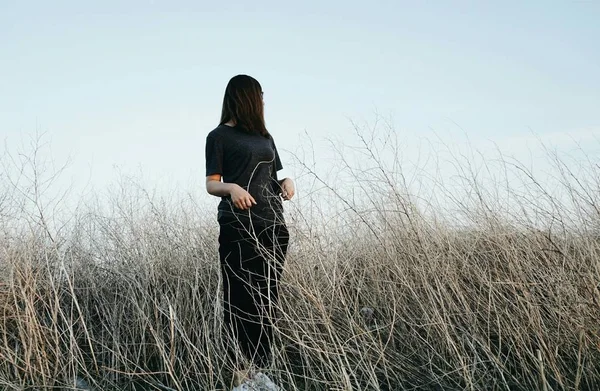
(241, 168)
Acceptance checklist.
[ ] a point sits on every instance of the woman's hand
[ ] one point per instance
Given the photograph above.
(241, 198)
(287, 189)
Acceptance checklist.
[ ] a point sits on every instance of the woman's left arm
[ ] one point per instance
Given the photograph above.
(287, 188)
(286, 184)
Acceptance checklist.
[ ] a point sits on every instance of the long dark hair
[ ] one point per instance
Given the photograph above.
(243, 104)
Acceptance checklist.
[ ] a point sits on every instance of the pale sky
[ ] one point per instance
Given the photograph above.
(137, 85)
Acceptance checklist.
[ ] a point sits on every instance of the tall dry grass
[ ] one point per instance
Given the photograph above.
(382, 291)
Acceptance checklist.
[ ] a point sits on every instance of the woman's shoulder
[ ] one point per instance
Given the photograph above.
(219, 132)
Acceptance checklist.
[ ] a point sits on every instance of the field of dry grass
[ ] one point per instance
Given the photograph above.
(382, 296)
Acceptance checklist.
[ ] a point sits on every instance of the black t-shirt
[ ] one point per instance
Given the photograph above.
(251, 161)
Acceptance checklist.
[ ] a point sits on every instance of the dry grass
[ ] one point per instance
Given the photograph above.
(384, 296)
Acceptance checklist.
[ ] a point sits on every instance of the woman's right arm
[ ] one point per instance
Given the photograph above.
(215, 187)
(241, 198)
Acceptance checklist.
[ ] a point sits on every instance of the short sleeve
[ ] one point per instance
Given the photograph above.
(278, 165)
(214, 156)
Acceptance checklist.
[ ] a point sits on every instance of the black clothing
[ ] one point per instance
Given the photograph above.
(251, 266)
(252, 243)
(251, 161)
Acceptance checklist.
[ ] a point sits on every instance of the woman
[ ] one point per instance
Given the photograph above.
(241, 168)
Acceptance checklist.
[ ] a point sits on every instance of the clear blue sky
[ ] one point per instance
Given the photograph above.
(140, 83)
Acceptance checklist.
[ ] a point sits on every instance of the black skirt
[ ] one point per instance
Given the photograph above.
(252, 261)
